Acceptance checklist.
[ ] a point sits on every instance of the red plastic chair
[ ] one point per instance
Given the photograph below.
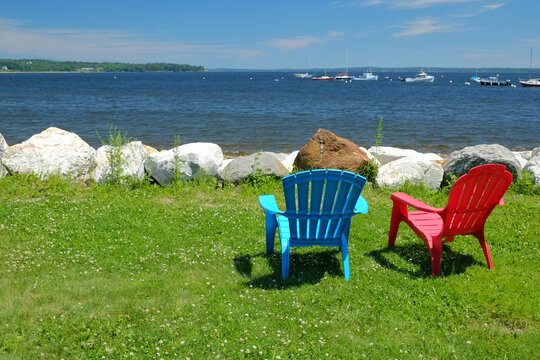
(471, 200)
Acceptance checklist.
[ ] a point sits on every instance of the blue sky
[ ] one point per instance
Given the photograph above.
(264, 34)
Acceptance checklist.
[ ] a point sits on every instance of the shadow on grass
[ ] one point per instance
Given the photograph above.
(418, 260)
(304, 268)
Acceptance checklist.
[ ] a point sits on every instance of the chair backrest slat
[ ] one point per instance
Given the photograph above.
(303, 207)
(320, 202)
(317, 188)
(474, 196)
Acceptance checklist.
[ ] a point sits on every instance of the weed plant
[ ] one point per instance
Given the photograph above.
(144, 272)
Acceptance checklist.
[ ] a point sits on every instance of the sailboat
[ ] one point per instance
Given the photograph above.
(531, 82)
(323, 77)
(345, 76)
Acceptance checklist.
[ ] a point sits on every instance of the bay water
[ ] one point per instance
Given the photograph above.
(244, 112)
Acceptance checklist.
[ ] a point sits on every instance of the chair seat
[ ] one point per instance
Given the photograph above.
(428, 223)
(310, 239)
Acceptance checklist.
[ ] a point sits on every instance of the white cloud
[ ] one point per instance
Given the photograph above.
(492, 7)
(296, 42)
(299, 42)
(18, 40)
(409, 4)
(531, 40)
(426, 26)
(416, 4)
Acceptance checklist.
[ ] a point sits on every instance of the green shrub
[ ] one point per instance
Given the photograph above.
(525, 185)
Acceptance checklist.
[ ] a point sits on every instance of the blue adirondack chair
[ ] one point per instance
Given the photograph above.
(320, 205)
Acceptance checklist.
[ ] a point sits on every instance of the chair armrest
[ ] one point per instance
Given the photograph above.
(269, 205)
(418, 205)
(361, 206)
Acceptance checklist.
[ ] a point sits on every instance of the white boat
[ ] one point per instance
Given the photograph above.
(494, 81)
(476, 78)
(345, 76)
(368, 75)
(323, 78)
(531, 82)
(305, 75)
(421, 77)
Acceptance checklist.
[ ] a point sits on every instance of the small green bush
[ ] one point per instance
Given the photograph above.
(525, 185)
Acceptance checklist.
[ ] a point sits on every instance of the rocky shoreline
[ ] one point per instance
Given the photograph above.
(58, 152)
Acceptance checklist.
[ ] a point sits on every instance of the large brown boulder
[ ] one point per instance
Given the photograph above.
(326, 150)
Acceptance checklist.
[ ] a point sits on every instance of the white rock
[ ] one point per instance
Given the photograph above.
(54, 151)
(223, 166)
(386, 154)
(190, 160)
(521, 157)
(132, 158)
(370, 156)
(417, 171)
(533, 167)
(288, 162)
(285, 158)
(527, 155)
(3, 147)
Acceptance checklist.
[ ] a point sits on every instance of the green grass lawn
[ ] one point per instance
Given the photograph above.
(113, 272)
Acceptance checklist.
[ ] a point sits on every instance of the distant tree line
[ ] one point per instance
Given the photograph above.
(37, 65)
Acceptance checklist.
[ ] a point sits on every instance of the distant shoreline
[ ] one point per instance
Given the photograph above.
(95, 72)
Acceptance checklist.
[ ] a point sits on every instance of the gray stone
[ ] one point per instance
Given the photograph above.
(461, 161)
(191, 161)
(52, 152)
(243, 166)
(132, 158)
(412, 169)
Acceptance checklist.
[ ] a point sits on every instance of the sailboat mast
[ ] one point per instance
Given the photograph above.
(347, 61)
(530, 67)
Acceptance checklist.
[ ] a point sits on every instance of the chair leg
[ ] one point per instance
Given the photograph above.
(271, 224)
(482, 240)
(398, 210)
(345, 255)
(436, 257)
(285, 253)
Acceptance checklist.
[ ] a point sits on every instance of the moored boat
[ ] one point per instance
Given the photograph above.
(305, 75)
(494, 81)
(368, 75)
(531, 82)
(343, 77)
(420, 77)
(322, 78)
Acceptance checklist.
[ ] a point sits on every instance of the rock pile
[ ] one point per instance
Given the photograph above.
(58, 152)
